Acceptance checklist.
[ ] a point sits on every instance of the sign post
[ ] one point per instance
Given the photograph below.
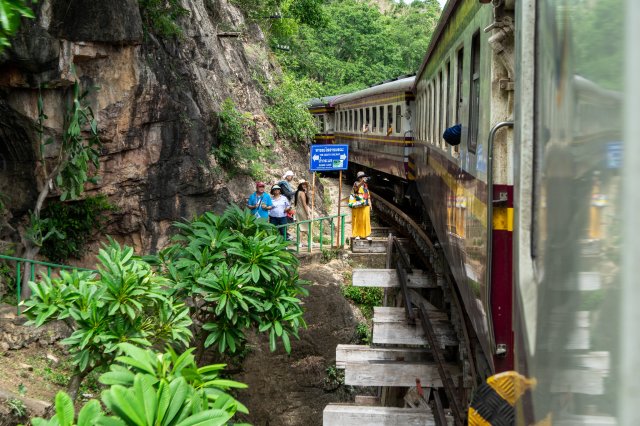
(324, 158)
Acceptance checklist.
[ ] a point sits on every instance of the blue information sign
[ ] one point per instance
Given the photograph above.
(329, 157)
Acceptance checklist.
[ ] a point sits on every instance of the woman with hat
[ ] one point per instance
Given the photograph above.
(279, 209)
(360, 216)
(303, 211)
(259, 202)
(285, 185)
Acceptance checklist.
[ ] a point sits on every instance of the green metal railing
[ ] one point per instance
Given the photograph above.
(309, 227)
(34, 266)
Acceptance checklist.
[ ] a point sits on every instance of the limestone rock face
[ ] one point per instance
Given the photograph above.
(156, 104)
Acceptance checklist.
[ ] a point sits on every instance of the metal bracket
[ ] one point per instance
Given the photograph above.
(503, 197)
(501, 350)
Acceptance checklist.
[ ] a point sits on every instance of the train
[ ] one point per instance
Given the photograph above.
(533, 209)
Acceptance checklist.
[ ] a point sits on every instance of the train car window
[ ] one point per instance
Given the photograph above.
(321, 125)
(425, 118)
(474, 93)
(355, 120)
(361, 122)
(381, 119)
(367, 117)
(398, 119)
(439, 110)
(432, 115)
(427, 109)
(443, 110)
(389, 119)
(374, 121)
(459, 71)
(350, 119)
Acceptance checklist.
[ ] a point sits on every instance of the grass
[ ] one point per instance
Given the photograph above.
(364, 298)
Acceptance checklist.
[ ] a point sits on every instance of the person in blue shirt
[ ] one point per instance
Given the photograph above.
(259, 202)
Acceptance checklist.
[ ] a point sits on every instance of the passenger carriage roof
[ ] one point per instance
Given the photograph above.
(435, 37)
(400, 85)
(323, 101)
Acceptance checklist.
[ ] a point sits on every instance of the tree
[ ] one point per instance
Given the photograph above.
(237, 273)
(358, 45)
(124, 302)
(73, 164)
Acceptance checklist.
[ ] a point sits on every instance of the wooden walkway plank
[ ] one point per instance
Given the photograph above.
(347, 415)
(390, 327)
(395, 374)
(360, 353)
(388, 278)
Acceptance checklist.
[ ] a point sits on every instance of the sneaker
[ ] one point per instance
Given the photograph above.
(357, 238)
(368, 238)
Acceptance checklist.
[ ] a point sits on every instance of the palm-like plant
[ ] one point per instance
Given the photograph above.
(230, 266)
(125, 302)
(151, 389)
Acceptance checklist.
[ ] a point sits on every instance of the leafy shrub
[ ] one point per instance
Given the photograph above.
(124, 302)
(366, 298)
(74, 223)
(147, 388)
(363, 333)
(287, 107)
(239, 275)
(231, 133)
(160, 16)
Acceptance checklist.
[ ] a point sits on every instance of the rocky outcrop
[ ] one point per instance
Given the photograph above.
(156, 105)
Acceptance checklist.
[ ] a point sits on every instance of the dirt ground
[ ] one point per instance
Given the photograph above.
(293, 389)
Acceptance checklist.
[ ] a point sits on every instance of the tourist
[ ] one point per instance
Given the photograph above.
(259, 202)
(285, 186)
(278, 213)
(303, 211)
(360, 204)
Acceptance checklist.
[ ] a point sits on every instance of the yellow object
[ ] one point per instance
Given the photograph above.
(503, 219)
(510, 385)
(494, 401)
(361, 222)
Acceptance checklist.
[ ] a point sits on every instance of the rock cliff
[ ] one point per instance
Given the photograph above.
(156, 105)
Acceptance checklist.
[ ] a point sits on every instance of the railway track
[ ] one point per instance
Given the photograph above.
(419, 344)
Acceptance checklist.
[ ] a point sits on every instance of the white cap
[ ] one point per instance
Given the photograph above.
(287, 173)
(361, 174)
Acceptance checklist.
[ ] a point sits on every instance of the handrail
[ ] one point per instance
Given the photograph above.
(490, 201)
(309, 230)
(32, 271)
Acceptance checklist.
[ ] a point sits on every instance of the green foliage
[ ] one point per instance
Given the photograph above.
(363, 333)
(232, 125)
(366, 298)
(72, 168)
(160, 16)
(17, 407)
(287, 107)
(147, 388)
(239, 275)
(74, 222)
(380, 45)
(10, 13)
(125, 302)
(334, 378)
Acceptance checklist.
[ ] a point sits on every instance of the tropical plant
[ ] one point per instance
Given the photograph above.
(160, 16)
(152, 389)
(124, 302)
(73, 164)
(239, 275)
(11, 11)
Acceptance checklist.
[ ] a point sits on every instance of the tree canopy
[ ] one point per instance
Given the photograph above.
(353, 44)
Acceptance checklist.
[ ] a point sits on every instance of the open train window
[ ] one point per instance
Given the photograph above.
(367, 118)
(398, 119)
(381, 119)
(459, 71)
(389, 119)
(432, 114)
(361, 122)
(350, 119)
(374, 121)
(355, 120)
(474, 93)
